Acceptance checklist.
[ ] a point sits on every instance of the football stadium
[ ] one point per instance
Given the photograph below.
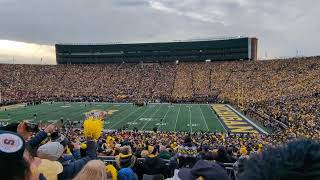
(194, 109)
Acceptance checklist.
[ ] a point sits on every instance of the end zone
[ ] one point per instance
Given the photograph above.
(234, 121)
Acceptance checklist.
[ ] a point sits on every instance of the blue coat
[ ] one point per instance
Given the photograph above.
(72, 167)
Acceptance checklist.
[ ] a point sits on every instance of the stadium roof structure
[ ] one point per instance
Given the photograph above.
(237, 48)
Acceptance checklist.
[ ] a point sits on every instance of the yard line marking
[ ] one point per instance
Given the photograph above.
(164, 117)
(218, 118)
(124, 118)
(190, 120)
(175, 125)
(122, 111)
(204, 119)
(140, 115)
(5, 119)
(151, 116)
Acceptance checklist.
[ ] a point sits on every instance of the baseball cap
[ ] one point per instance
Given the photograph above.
(12, 145)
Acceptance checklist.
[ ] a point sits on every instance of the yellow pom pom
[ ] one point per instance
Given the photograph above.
(92, 128)
(68, 151)
(83, 146)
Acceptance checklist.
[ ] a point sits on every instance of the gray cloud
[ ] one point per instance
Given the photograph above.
(281, 26)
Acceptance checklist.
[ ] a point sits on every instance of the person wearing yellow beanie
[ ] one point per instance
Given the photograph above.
(243, 151)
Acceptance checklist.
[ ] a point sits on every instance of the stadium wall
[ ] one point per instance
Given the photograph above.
(184, 51)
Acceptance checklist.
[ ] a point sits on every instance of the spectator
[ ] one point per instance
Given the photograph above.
(13, 165)
(295, 160)
(127, 160)
(153, 165)
(164, 154)
(187, 153)
(126, 174)
(94, 169)
(203, 169)
(53, 151)
(223, 156)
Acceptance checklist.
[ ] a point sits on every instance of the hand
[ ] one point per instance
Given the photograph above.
(22, 130)
(50, 128)
(76, 145)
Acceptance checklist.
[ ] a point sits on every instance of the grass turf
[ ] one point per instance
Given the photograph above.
(175, 117)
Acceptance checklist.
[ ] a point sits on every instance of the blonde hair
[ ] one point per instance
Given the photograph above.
(94, 169)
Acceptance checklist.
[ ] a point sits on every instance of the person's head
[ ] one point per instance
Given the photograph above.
(126, 174)
(299, 159)
(243, 151)
(162, 148)
(51, 151)
(187, 140)
(94, 169)
(125, 151)
(144, 153)
(153, 152)
(13, 163)
(205, 170)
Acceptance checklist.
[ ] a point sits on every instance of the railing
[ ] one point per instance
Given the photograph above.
(111, 160)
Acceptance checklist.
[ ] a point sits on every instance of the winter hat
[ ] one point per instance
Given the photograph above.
(126, 174)
(50, 169)
(52, 151)
(243, 151)
(203, 169)
(12, 145)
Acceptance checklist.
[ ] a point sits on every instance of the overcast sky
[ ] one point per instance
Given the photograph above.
(30, 28)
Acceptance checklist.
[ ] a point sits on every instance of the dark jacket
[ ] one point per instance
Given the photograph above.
(155, 165)
(37, 139)
(71, 168)
(223, 156)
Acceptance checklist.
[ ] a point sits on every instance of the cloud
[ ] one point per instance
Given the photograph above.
(281, 26)
(193, 15)
(26, 53)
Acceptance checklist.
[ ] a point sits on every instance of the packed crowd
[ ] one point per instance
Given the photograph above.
(275, 92)
(20, 83)
(63, 152)
(283, 95)
(254, 81)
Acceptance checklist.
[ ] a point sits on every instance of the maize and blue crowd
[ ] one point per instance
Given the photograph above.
(283, 95)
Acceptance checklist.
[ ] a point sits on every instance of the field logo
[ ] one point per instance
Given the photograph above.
(234, 122)
(96, 113)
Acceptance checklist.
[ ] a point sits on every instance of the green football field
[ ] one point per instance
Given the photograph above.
(175, 117)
